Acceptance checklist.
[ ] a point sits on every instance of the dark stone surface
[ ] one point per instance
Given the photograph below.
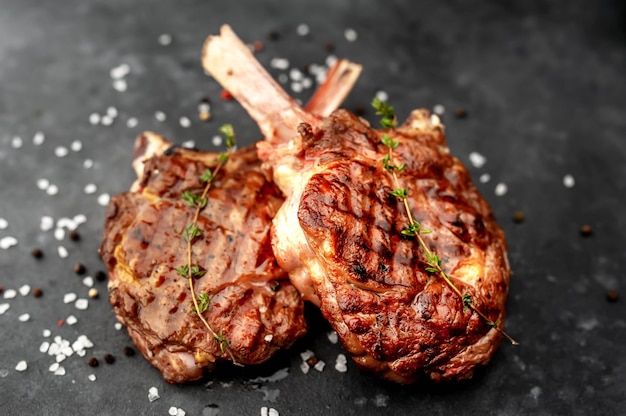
(543, 85)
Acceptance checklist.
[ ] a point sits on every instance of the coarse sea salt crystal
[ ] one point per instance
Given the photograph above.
(569, 181)
(88, 281)
(4, 307)
(279, 63)
(43, 348)
(341, 363)
(283, 78)
(188, 144)
(332, 337)
(304, 367)
(3, 223)
(8, 242)
(91, 377)
(81, 304)
(43, 183)
(302, 29)
(120, 85)
(439, 109)
(351, 35)
(160, 116)
(501, 189)
(90, 188)
(305, 355)
(120, 71)
(319, 366)
(46, 223)
(118, 326)
(38, 138)
(104, 199)
(25, 317)
(24, 290)
(217, 140)
(184, 122)
(107, 120)
(112, 111)
(477, 160)
(132, 122)
(80, 219)
(21, 366)
(10, 293)
(88, 164)
(484, 178)
(76, 146)
(62, 251)
(61, 151)
(46, 333)
(382, 95)
(60, 371)
(165, 39)
(59, 234)
(71, 320)
(69, 297)
(54, 367)
(94, 119)
(16, 142)
(52, 189)
(153, 394)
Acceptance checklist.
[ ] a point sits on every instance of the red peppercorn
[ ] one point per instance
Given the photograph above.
(225, 95)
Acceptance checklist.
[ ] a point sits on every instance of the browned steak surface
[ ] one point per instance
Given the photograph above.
(253, 305)
(371, 282)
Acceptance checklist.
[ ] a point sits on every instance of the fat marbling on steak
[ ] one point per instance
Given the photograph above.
(339, 232)
(253, 305)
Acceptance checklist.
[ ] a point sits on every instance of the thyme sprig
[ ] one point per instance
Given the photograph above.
(414, 228)
(192, 232)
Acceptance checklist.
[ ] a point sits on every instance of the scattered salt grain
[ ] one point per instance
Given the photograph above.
(81, 304)
(59, 234)
(118, 326)
(304, 367)
(8, 242)
(307, 83)
(153, 394)
(69, 297)
(91, 377)
(112, 111)
(71, 320)
(24, 290)
(439, 109)
(46, 223)
(340, 363)
(80, 219)
(90, 188)
(16, 142)
(60, 371)
(43, 183)
(62, 251)
(279, 63)
(351, 35)
(216, 140)
(319, 366)
(283, 78)
(265, 411)
(60, 358)
(184, 122)
(305, 355)
(43, 348)
(106, 120)
(132, 122)
(501, 189)
(54, 367)
(268, 338)
(94, 119)
(296, 87)
(477, 160)
(568, 181)
(302, 29)
(4, 307)
(382, 95)
(119, 71)
(120, 85)
(21, 366)
(10, 294)
(25, 317)
(165, 39)
(330, 60)
(46, 333)
(76, 146)
(38, 138)
(176, 411)
(104, 199)
(188, 144)
(3, 223)
(160, 116)
(88, 281)
(332, 337)
(3, 372)
(484, 178)
(88, 164)
(52, 189)
(61, 151)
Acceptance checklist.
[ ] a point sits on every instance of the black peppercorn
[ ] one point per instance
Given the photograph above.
(79, 268)
(36, 253)
(109, 358)
(92, 362)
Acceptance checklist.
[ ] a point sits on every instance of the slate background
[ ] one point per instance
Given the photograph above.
(543, 84)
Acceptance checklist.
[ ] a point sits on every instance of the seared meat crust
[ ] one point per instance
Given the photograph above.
(253, 305)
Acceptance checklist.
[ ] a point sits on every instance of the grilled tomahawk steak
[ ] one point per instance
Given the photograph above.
(253, 305)
(339, 232)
